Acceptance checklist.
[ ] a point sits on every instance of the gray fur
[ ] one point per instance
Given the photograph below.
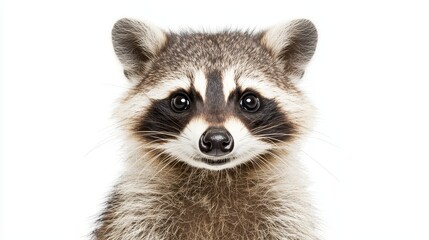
(161, 197)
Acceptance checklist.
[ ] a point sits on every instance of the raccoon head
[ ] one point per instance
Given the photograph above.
(213, 100)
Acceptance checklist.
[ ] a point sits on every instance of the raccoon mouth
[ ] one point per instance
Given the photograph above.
(215, 162)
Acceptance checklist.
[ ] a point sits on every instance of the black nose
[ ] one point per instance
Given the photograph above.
(216, 142)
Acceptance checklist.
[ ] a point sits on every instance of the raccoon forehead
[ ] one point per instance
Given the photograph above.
(234, 78)
(261, 85)
(165, 87)
(230, 79)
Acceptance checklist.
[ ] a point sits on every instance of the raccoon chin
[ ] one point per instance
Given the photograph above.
(214, 164)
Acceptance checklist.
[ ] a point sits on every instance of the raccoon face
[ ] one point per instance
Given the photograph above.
(213, 100)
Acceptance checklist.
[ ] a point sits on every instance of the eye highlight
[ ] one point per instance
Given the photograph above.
(249, 102)
(180, 102)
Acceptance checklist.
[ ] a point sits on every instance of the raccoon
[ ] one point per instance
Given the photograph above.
(212, 125)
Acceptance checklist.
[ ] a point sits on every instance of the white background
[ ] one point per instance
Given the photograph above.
(368, 160)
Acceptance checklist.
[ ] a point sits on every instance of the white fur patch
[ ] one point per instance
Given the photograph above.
(287, 101)
(200, 83)
(246, 146)
(228, 83)
(277, 37)
(132, 107)
(137, 104)
(164, 88)
(186, 146)
(154, 39)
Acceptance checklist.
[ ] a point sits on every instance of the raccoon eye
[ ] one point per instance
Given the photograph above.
(249, 102)
(180, 102)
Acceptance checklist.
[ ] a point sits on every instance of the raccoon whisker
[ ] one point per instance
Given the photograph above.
(163, 132)
(193, 175)
(110, 136)
(167, 115)
(272, 135)
(150, 144)
(165, 161)
(271, 138)
(324, 141)
(310, 130)
(171, 124)
(176, 128)
(152, 160)
(145, 133)
(278, 134)
(150, 133)
(169, 158)
(154, 144)
(255, 160)
(165, 126)
(275, 136)
(114, 125)
(121, 125)
(147, 151)
(269, 164)
(314, 160)
(175, 162)
(320, 165)
(249, 154)
(265, 128)
(273, 154)
(259, 129)
(302, 128)
(118, 86)
(101, 143)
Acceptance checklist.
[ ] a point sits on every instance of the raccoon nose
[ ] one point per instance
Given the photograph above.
(216, 142)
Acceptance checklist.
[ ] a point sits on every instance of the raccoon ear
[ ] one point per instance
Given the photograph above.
(136, 44)
(293, 44)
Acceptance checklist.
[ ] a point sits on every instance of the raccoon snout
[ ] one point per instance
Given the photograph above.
(216, 142)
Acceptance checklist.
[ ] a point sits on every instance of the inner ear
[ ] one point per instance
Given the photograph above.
(292, 45)
(136, 44)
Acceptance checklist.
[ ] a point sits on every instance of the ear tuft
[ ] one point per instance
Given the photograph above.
(136, 44)
(293, 44)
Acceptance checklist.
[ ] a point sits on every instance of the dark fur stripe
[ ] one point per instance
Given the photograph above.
(215, 100)
(161, 123)
(270, 123)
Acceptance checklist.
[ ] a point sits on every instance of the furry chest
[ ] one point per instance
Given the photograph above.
(233, 215)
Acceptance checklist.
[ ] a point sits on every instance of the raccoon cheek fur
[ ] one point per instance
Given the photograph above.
(212, 122)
